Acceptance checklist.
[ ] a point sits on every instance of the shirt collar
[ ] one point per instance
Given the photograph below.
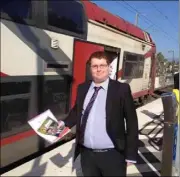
(104, 84)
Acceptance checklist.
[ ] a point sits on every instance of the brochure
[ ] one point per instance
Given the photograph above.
(47, 126)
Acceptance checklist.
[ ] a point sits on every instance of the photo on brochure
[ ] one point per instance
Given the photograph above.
(50, 127)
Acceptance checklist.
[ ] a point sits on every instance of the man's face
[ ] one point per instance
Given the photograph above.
(99, 69)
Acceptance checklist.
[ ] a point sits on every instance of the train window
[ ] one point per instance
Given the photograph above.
(133, 66)
(66, 15)
(16, 11)
(56, 94)
(14, 116)
(15, 97)
(18, 88)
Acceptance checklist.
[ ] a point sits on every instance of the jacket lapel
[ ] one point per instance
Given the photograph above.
(109, 99)
(83, 93)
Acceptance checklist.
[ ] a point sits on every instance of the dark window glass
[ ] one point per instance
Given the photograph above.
(14, 105)
(17, 10)
(130, 69)
(67, 15)
(13, 88)
(140, 69)
(131, 57)
(56, 95)
(133, 66)
(14, 116)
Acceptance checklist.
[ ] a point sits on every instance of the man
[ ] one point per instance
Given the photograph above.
(105, 141)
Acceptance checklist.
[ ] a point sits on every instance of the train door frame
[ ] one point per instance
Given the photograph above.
(118, 53)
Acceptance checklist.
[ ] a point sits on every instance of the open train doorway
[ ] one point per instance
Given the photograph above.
(81, 69)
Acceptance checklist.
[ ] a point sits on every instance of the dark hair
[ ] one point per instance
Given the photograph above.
(99, 55)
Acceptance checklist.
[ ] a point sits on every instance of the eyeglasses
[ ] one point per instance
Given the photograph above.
(100, 66)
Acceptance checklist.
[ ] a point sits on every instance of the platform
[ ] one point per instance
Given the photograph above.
(58, 162)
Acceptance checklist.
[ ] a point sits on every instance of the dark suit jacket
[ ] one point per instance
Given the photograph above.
(119, 107)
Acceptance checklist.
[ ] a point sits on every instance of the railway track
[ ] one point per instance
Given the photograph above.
(157, 94)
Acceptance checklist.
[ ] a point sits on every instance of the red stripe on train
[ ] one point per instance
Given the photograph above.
(18, 137)
(2, 74)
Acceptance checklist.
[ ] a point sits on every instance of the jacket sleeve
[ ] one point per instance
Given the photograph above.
(131, 125)
(71, 119)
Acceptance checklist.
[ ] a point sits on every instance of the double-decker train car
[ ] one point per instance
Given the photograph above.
(45, 46)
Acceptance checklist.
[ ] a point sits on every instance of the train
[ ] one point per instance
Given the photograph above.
(45, 46)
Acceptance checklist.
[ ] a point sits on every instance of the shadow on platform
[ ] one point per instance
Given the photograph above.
(157, 123)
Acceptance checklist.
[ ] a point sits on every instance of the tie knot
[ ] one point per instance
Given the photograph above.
(97, 88)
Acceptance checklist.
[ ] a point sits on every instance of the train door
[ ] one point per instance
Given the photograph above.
(146, 75)
(82, 52)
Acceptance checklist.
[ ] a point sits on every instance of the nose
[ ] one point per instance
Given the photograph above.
(99, 68)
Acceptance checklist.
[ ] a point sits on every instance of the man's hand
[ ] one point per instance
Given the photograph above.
(130, 163)
(61, 125)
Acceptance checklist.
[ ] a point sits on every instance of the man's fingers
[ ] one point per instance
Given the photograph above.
(61, 124)
(129, 163)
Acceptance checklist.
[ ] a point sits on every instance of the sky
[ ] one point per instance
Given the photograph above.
(159, 18)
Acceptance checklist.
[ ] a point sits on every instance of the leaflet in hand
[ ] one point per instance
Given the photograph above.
(47, 126)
